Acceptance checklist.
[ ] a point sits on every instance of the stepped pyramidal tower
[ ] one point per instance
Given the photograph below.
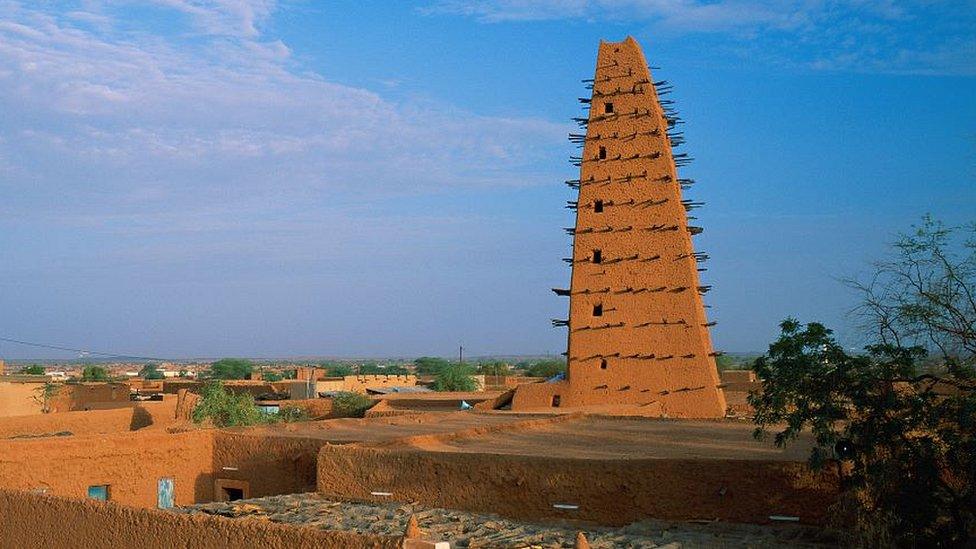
(638, 334)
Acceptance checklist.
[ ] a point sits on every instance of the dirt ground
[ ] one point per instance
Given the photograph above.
(383, 428)
(578, 436)
(590, 437)
(473, 530)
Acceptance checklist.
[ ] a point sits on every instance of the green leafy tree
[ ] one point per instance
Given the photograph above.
(427, 365)
(725, 362)
(496, 368)
(904, 423)
(184, 373)
(226, 409)
(271, 376)
(336, 369)
(151, 371)
(33, 370)
(546, 368)
(94, 373)
(231, 368)
(909, 441)
(924, 294)
(349, 404)
(455, 377)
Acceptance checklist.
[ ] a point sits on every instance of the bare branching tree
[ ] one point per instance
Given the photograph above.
(925, 295)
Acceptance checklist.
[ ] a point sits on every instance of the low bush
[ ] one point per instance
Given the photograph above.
(348, 404)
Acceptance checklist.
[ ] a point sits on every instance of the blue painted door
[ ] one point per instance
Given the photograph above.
(99, 492)
(164, 493)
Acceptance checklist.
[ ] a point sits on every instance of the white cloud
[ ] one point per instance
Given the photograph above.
(912, 36)
(93, 114)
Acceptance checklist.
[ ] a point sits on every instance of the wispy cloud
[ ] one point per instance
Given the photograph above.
(98, 115)
(911, 36)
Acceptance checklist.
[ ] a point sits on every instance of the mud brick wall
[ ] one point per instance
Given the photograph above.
(608, 492)
(35, 521)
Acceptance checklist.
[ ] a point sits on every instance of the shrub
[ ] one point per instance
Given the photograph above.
(44, 394)
(349, 404)
(291, 414)
(33, 370)
(94, 373)
(546, 368)
(455, 377)
(226, 409)
(271, 376)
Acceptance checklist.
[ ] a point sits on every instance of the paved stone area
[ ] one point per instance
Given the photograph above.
(473, 530)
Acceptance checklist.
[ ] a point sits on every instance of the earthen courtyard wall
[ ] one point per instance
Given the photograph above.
(130, 463)
(608, 491)
(140, 415)
(17, 399)
(29, 521)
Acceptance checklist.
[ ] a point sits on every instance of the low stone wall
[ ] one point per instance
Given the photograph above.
(34, 521)
(608, 492)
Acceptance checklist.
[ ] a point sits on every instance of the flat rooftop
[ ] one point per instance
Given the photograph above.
(574, 436)
(593, 437)
(380, 429)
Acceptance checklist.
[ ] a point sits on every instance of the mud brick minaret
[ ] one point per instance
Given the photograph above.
(638, 334)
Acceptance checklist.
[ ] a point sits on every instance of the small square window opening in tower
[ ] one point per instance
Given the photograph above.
(598, 309)
(603, 153)
(603, 364)
(597, 257)
(598, 206)
(608, 108)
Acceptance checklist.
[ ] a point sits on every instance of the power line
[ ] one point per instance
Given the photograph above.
(81, 351)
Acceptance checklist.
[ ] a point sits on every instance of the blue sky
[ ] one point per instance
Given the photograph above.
(260, 178)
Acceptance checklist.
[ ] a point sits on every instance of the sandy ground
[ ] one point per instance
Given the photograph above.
(473, 530)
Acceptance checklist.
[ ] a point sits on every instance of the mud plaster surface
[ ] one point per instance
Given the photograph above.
(650, 346)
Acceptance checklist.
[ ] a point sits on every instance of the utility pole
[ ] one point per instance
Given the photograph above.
(460, 354)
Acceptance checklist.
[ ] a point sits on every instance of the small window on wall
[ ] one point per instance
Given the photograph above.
(598, 206)
(603, 364)
(555, 401)
(598, 309)
(608, 108)
(597, 256)
(603, 153)
(99, 492)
